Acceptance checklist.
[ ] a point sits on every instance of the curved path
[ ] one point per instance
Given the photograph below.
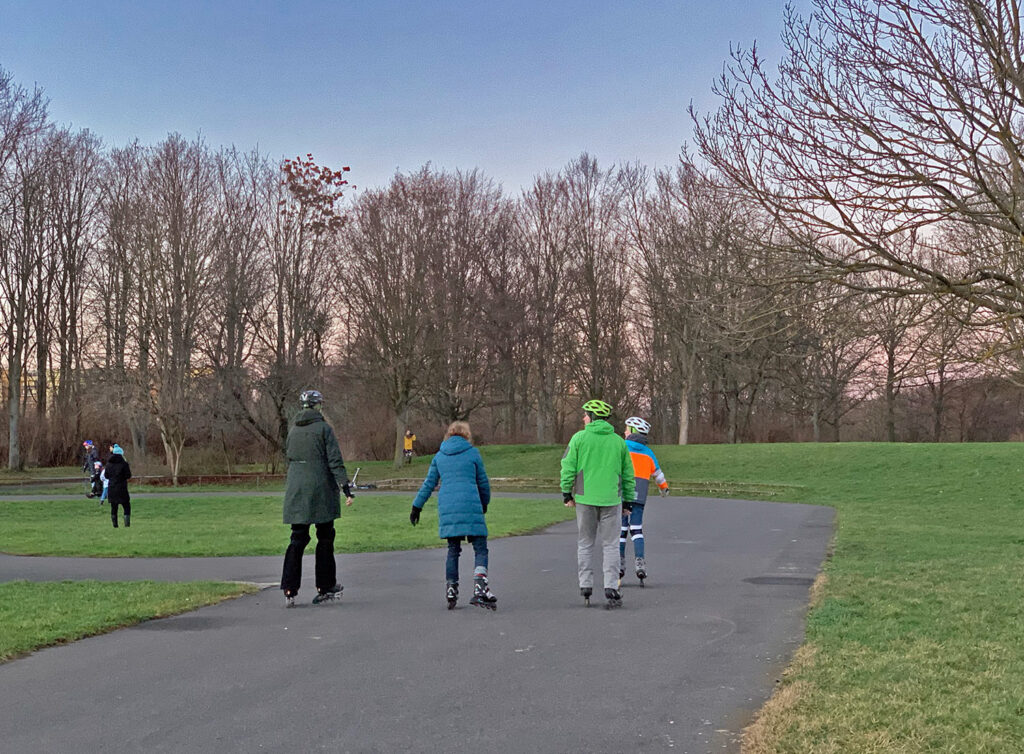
(681, 667)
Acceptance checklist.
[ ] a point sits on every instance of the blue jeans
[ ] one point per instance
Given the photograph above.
(633, 525)
(451, 568)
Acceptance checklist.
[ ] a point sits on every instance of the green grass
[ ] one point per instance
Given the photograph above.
(916, 645)
(175, 526)
(35, 615)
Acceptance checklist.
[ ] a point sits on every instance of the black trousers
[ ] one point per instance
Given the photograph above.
(326, 569)
(127, 505)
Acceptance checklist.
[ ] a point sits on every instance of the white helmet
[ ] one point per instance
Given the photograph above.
(640, 425)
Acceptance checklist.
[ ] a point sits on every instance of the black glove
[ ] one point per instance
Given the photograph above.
(347, 490)
(627, 506)
(484, 506)
(567, 497)
(414, 516)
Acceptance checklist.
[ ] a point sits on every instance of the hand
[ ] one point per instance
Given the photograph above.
(627, 507)
(484, 506)
(347, 490)
(664, 492)
(414, 516)
(567, 498)
(348, 501)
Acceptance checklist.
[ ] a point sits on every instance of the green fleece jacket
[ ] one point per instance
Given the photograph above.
(597, 468)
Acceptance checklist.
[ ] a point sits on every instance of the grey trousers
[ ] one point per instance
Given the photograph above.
(598, 523)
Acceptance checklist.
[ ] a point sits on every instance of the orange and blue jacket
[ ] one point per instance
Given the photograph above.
(645, 466)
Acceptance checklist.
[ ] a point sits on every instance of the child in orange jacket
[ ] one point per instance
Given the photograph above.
(645, 468)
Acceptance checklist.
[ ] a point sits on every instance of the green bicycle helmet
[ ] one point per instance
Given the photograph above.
(598, 408)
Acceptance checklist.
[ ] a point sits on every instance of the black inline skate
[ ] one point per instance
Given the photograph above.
(451, 593)
(289, 599)
(482, 596)
(641, 570)
(585, 593)
(327, 595)
(613, 597)
(622, 567)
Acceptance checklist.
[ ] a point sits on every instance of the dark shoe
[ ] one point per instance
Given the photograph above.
(613, 597)
(482, 596)
(326, 595)
(127, 520)
(451, 593)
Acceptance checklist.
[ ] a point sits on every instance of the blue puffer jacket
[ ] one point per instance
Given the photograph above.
(464, 489)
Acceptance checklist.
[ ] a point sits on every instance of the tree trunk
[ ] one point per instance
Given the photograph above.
(732, 407)
(401, 421)
(545, 410)
(938, 402)
(42, 367)
(684, 415)
(14, 460)
(890, 398)
(137, 424)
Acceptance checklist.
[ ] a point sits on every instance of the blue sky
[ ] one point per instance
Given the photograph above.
(513, 88)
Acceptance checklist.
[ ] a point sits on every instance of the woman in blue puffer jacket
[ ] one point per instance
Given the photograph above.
(461, 505)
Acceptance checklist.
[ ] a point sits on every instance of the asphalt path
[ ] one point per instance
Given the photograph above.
(681, 667)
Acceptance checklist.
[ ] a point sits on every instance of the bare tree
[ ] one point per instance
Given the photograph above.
(503, 326)
(73, 196)
(389, 249)
(892, 320)
(544, 225)
(302, 241)
(239, 306)
(22, 213)
(177, 277)
(885, 119)
(600, 280)
(822, 373)
(130, 238)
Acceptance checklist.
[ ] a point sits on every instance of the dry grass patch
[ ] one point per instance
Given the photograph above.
(779, 713)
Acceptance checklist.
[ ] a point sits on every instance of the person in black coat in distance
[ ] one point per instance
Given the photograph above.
(118, 472)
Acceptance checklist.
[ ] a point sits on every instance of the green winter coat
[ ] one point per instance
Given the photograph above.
(316, 471)
(597, 467)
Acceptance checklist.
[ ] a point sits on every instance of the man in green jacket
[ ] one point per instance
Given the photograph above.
(597, 472)
(316, 477)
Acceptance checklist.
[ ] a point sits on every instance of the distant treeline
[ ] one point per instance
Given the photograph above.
(841, 259)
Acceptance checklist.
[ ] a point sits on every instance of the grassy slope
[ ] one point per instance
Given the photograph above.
(916, 645)
(38, 615)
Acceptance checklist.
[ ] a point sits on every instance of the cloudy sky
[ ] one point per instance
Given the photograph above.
(513, 88)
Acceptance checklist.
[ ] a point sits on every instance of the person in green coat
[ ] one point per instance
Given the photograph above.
(316, 478)
(597, 472)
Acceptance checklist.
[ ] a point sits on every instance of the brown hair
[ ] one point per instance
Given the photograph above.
(459, 429)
